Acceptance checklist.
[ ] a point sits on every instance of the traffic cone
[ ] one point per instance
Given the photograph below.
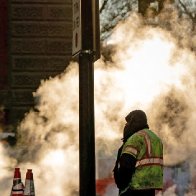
(29, 189)
(18, 187)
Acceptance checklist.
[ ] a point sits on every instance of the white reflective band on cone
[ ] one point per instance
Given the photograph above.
(29, 188)
(17, 192)
(157, 161)
(18, 186)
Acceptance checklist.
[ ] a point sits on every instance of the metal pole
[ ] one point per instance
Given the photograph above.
(86, 124)
(88, 53)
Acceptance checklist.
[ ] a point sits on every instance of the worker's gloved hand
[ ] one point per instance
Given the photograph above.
(116, 176)
(119, 153)
(116, 168)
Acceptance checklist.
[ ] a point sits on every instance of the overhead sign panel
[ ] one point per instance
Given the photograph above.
(77, 37)
(86, 31)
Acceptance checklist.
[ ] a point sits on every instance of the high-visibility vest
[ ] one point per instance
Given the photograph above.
(147, 148)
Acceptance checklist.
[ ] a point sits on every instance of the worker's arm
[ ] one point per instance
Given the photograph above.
(125, 171)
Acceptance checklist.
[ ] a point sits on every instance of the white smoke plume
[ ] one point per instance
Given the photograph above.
(148, 70)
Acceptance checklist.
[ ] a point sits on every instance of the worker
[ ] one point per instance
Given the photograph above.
(139, 166)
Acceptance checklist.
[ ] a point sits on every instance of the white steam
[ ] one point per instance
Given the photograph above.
(148, 71)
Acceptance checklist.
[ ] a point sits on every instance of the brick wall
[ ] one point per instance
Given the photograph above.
(40, 47)
(3, 44)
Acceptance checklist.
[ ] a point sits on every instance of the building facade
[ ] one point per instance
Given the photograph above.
(35, 43)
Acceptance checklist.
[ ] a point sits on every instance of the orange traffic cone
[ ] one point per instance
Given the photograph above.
(29, 184)
(18, 187)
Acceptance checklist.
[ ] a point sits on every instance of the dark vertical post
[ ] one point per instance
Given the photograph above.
(86, 46)
(86, 103)
(86, 125)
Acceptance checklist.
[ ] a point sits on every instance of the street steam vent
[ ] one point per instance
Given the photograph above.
(147, 69)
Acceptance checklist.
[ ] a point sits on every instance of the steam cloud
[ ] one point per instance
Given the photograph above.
(149, 69)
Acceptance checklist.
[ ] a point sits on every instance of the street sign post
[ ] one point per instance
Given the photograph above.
(86, 46)
(76, 37)
(86, 29)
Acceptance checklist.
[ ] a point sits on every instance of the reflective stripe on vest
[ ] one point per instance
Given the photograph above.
(130, 150)
(147, 141)
(149, 161)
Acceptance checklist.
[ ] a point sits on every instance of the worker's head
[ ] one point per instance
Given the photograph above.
(136, 120)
